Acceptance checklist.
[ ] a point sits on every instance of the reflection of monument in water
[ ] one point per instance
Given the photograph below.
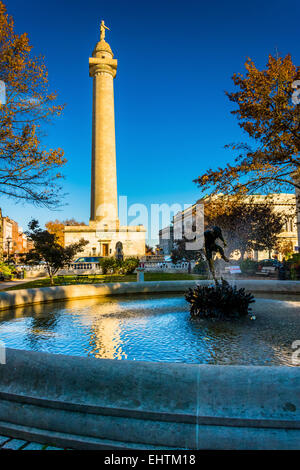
(105, 324)
(106, 339)
(105, 235)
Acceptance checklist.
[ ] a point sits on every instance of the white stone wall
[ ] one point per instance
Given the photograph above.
(132, 238)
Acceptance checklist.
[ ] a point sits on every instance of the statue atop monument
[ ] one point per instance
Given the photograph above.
(102, 31)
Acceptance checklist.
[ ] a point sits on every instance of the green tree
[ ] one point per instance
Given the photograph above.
(47, 249)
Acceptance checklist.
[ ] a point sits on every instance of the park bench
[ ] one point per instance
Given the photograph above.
(86, 278)
(82, 278)
(61, 279)
(92, 278)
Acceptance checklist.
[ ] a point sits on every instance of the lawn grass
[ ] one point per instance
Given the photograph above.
(71, 280)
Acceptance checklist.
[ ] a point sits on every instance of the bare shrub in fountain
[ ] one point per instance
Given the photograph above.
(220, 300)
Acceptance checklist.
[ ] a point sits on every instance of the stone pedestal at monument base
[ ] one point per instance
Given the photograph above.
(123, 242)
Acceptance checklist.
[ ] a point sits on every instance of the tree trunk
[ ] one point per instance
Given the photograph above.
(51, 276)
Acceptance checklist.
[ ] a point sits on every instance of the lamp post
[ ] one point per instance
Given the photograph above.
(8, 242)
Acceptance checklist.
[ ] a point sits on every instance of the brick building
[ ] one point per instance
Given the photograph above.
(12, 239)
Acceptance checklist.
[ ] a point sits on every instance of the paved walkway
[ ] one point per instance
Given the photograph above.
(7, 443)
(5, 284)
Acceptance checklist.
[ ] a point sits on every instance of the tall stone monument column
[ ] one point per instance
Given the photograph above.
(104, 234)
(104, 200)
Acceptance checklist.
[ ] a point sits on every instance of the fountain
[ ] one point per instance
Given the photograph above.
(180, 384)
(219, 300)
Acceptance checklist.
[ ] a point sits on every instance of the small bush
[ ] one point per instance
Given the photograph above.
(129, 265)
(219, 301)
(293, 263)
(6, 270)
(201, 267)
(109, 265)
(249, 266)
(116, 266)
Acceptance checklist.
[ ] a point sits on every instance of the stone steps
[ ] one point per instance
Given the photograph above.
(10, 443)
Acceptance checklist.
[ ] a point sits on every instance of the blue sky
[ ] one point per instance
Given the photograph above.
(175, 60)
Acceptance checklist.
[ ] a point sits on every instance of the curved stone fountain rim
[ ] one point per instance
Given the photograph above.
(88, 403)
(21, 297)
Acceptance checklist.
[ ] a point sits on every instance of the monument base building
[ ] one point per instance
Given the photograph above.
(105, 235)
(120, 242)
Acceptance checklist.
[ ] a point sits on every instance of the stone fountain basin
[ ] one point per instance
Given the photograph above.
(23, 297)
(89, 403)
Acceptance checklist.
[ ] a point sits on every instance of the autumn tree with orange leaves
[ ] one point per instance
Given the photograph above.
(28, 172)
(56, 227)
(268, 114)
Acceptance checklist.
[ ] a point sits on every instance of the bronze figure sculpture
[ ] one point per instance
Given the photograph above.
(211, 247)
